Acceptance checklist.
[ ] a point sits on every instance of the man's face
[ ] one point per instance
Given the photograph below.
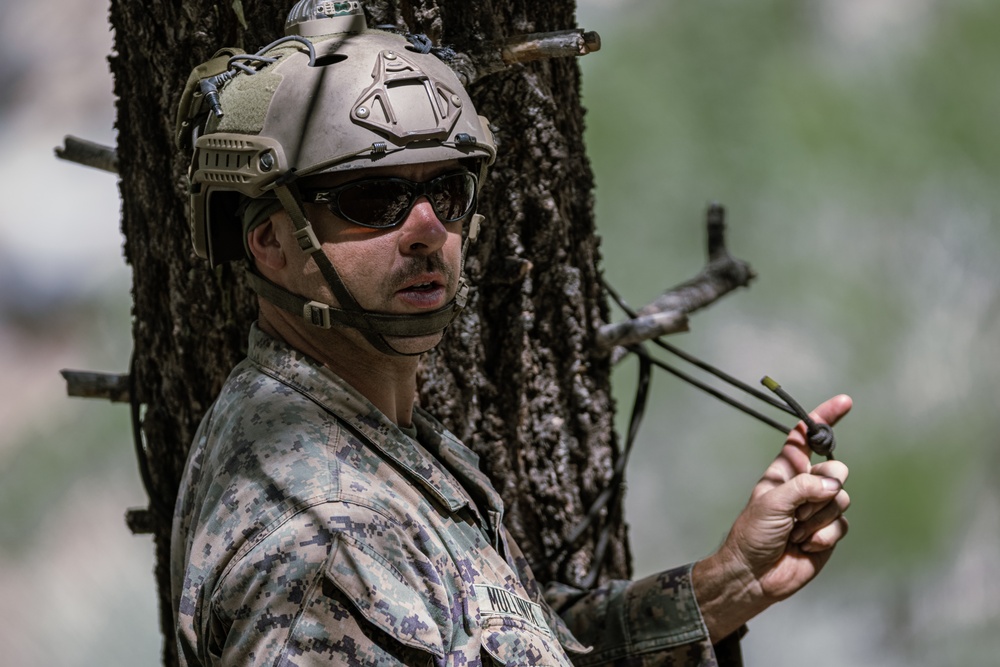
(410, 268)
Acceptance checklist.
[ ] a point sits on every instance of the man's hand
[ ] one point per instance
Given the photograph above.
(782, 538)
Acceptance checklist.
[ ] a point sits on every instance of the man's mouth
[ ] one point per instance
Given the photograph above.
(424, 293)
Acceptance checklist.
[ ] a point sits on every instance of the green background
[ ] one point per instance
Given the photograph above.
(855, 146)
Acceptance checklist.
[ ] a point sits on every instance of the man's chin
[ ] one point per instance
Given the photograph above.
(413, 345)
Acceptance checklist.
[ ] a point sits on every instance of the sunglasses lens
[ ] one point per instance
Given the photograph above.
(452, 195)
(375, 203)
(385, 202)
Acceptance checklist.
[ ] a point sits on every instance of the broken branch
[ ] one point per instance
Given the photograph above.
(140, 521)
(523, 49)
(668, 313)
(89, 154)
(543, 45)
(88, 384)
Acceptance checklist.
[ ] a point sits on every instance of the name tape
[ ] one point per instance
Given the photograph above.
(496, 601)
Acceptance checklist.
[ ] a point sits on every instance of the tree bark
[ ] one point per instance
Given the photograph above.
(519, 377)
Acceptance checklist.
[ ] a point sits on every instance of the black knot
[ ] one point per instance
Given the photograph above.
(421, 43)
(821, 440)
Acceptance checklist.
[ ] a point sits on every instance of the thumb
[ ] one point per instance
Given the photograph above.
(801, 489)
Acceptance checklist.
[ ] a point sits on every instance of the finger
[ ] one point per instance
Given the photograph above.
(819, 517)
(795, 457)
(791, 461)
(785, 499)
(829, 412)
(832, 410)
(827, 538)
(810, 510)
(836, 469)
(779, 472)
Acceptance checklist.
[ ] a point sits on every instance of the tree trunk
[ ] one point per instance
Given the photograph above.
(517, 378)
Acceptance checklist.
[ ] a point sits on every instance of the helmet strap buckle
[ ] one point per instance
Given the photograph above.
(462, 294)
(307, 240)
(317, 314)
(304, 234)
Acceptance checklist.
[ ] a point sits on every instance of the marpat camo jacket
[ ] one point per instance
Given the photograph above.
(310, 530)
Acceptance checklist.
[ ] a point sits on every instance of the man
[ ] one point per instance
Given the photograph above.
(325, 519)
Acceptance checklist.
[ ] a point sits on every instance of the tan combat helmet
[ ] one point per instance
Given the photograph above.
(330, 96)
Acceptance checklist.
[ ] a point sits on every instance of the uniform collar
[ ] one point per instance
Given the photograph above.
(319, 384)
(462, 462)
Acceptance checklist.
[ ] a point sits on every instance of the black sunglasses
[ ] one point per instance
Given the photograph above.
(381, 203)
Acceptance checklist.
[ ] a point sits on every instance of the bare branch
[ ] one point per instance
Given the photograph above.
(89, 154)
(642, 328)
(668, 313)
(543, 45)
(523, 49)
(140, 521)
(88, 384)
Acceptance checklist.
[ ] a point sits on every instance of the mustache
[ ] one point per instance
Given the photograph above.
(418, 266)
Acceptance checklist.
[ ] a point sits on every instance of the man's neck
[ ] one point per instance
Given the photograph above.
(389, 382)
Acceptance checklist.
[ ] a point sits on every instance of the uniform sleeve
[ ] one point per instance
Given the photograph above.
(306, 596)
(649, 622)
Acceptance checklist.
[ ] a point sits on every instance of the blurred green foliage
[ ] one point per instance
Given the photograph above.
(77, 440)
(49, 459)
(68, 475)
(856, 147)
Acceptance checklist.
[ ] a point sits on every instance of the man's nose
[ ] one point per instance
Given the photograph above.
(421, 232)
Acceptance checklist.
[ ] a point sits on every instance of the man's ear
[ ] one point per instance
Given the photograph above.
(265, 246)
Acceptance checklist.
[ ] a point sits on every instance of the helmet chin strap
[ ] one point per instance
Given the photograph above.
(373, 326)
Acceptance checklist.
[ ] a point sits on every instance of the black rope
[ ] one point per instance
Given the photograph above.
(721, 396)
(725, 377)
(615, 485)
(142, 457)
(422, 44)
(819, 437)
(612, 492)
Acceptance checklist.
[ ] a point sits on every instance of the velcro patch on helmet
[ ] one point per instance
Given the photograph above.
(247, 100)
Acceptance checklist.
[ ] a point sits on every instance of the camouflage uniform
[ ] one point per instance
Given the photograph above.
(312, 530)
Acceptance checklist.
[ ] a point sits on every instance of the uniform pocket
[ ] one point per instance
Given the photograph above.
(385, 598)
(515, 631)
(513, 642)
